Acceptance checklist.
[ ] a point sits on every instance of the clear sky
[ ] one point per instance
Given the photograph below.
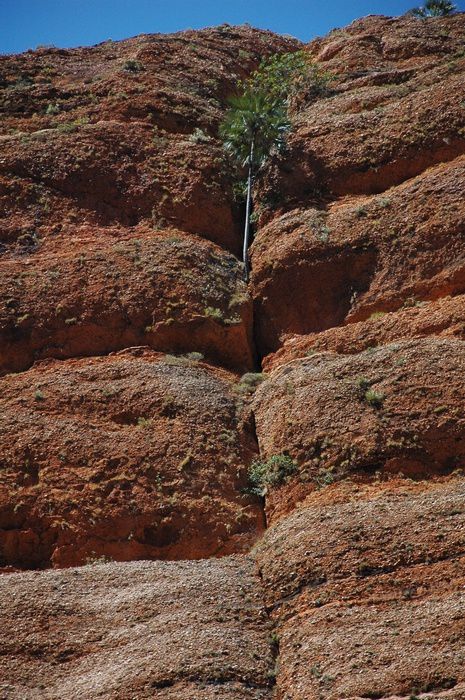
(25, 24)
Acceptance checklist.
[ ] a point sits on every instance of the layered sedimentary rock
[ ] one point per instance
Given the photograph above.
(396, 408)
(164, 289)
(127, 425)
(140, 630)
(395, 109)
(365, 585)
(360, 257)
(443, 317)
(132, 456)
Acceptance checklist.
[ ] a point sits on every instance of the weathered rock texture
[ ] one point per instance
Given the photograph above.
(443, 317)
(108, 134)
(168, 290)
(365, 584)
(396, 109)
(131, 456)
(356, 258)
(119, 237)
(392, 409)
(139, 630)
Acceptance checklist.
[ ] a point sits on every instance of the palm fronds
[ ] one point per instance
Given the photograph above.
(254, 118)
(434, 8)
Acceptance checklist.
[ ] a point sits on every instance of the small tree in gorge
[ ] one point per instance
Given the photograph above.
(254, 126)
(257, 121)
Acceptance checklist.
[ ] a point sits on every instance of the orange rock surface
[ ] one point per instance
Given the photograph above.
(142, 381)
(166, 289)
(131, 456)
(360, 257)
(395, 109)
(443, 317)
(365, 585)
(391, 409)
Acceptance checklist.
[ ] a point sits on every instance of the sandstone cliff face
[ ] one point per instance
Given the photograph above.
(130, 413)
(139, 630)
(130, 456)
(167, 290)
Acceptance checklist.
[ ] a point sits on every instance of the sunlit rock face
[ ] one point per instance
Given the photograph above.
(142, 380)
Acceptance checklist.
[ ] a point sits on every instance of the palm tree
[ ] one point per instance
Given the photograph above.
(253, 128)
(435, 8)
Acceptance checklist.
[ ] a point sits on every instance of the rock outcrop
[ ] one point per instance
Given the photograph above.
(391, 409)
(131, 456)
(168, 290)
(443, 317)
(371, 255)
(141, 379)
(365, 585)
(170, 630)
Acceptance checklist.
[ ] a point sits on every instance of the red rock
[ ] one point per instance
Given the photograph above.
(124, 132)
(165, 289)
(360, 257)
(390, 409)
(138, 630)
(444, 317)
(131, 456)
(110, 172)
(395, 110)
(365, 585)
(119, 228)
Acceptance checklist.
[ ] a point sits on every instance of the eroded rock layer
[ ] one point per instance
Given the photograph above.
(128, 429)
(391, 409)
(166, 289)
(395, 109)
(356, 258)
(137, 630)
(132, 456)
(365, 583)
(443, 317)
(124, 132)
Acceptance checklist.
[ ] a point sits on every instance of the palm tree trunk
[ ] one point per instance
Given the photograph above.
(245, 252)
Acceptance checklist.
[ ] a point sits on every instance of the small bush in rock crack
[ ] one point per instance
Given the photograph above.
(275, 471)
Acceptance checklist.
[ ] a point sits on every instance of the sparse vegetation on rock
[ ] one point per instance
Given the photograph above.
(290, 454)
(274, 471)
(255, 124)
(434, 8)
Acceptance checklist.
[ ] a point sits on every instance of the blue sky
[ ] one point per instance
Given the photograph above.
(26, 24)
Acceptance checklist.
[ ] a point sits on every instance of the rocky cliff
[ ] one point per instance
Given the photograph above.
(141, 377)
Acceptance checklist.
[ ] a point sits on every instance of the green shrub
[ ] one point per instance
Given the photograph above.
(434, 8)
(214, 313)
(195, 356)
(249, 382)
(284, 75)
(199, 136)
(70, 127)
(132, 66)
(374, 398)
(52, 109)
(324, 478)
(275, 471)
(360, 211)
(363, 384)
